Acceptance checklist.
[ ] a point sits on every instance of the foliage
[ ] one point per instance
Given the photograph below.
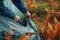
(39, 9)
(47, 11)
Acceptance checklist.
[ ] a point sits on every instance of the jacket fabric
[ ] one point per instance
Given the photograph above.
(5, 11)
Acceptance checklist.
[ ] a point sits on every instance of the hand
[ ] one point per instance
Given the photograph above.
(17, 18)
(27, 15)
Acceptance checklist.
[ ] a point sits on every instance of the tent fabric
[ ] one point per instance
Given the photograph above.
(6, 24)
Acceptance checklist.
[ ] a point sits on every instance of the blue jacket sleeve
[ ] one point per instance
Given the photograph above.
(20, 5)
(6, 11)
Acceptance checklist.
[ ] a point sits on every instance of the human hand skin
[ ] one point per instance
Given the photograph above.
(27, 15)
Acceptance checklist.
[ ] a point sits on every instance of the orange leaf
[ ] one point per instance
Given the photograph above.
(25, 36)
(9, 35)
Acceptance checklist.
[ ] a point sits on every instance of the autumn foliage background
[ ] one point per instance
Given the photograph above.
(46, 16)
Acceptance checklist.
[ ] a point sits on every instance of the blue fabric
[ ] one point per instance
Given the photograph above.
(1, 4)
(18, 30)
(20, 5)
(6, 24)
(5, 11)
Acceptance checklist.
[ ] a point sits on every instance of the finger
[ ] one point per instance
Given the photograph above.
(17, 18)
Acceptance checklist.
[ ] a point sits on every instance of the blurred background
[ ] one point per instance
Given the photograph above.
(46, 16)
